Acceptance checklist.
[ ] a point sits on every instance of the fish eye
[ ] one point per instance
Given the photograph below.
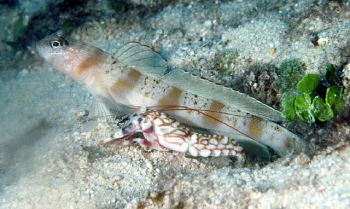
(56, 44)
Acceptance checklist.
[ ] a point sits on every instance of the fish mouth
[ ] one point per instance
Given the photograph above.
(41, 49)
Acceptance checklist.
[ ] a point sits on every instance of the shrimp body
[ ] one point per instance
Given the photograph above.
(135, 78)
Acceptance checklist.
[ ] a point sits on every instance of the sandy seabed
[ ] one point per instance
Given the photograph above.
(49, 151)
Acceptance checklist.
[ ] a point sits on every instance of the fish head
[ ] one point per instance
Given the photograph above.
(73, 58)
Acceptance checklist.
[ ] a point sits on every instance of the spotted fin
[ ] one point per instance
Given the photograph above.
(142, 58)
(231, 98)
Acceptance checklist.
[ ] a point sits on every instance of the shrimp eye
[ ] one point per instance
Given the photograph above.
(56, 44)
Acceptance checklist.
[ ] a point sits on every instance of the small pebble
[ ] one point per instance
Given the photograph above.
(124, 164)
(208, 24)
(117, 178)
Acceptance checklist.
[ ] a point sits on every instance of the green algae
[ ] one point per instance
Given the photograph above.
(309, 103)
(321, 109)
(290, 72)
(18, 33)
(308, 84)
(288, 104)
(226, 61)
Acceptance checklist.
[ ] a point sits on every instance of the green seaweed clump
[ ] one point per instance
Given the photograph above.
(18, 33)
(290, 72)
(315, 98)
(226, 61)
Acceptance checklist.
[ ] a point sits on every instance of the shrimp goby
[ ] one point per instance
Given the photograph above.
(136, 77)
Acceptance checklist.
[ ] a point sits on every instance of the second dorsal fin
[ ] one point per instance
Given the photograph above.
(231, 98)
(142, 58)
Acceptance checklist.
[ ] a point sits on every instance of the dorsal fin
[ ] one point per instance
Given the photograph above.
(142, 58)
(231, 98)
